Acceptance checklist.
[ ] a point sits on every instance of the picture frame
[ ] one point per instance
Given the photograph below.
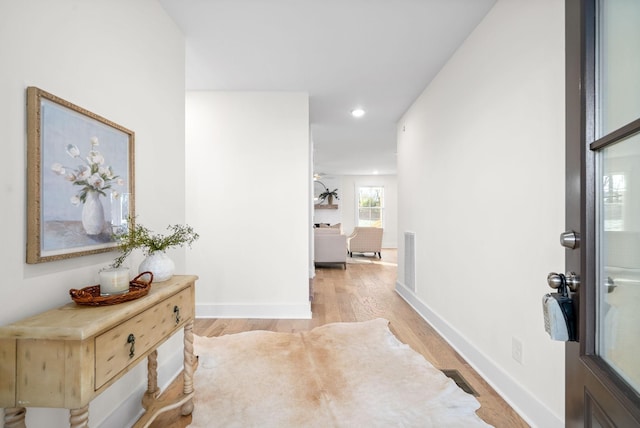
(80, 179)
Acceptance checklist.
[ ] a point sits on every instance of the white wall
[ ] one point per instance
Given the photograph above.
(96, 55)
(248, 195)
(481, 183)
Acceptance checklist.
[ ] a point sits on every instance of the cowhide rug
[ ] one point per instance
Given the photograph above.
(337, 375)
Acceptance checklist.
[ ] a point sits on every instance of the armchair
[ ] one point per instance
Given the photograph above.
(365, 240)
(329, 246)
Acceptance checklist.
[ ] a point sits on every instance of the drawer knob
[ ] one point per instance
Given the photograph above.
(176, 311)
(132, 340)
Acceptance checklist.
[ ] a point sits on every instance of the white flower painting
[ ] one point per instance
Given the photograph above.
(85, 168)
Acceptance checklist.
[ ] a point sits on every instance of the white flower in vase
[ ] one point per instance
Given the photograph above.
(93, 179)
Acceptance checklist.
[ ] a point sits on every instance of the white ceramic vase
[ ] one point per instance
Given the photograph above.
(93, 214)
(159, 264)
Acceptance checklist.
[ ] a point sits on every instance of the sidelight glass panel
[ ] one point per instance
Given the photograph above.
(618, 64)
(618, 288)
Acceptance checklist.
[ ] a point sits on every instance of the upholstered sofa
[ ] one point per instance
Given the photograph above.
(365, 240)
(330, 246)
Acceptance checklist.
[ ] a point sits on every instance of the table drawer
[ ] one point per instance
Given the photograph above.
(114, 350)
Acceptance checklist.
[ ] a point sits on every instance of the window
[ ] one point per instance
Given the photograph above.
(370, 206)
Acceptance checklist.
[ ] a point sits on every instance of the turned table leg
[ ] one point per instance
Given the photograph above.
(189, 363)
(152, 380)
(79, 418)
(14, 417)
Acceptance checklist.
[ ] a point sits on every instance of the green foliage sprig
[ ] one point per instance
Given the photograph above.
(138, 236)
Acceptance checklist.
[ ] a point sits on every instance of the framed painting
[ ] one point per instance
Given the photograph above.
(80, 179)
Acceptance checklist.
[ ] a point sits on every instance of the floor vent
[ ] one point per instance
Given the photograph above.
(410, 260)
(455, 376)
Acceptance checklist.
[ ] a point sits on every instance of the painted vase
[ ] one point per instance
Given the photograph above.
(93, 214)
(159, 264)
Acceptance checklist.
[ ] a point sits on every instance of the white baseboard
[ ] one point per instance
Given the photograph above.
(527, 406)
(293, 311)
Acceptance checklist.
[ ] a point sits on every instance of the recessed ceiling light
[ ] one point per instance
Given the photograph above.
(357, 112)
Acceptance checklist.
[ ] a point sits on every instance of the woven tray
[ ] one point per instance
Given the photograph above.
(90, 296)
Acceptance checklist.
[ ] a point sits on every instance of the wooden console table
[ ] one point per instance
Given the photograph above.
(65, 357)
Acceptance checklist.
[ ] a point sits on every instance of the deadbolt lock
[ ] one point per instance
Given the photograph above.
(570, 239)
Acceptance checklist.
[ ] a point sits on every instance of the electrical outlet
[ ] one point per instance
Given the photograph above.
(516, 350)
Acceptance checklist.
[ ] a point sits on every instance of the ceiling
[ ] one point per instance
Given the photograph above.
(374, 54)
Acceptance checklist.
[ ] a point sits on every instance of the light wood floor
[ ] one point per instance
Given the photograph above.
(363, 291)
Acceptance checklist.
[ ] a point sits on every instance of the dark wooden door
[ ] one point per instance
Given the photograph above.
(603, 208)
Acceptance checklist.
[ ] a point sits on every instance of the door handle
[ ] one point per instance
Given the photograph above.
(571, 280)
(554, 280)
